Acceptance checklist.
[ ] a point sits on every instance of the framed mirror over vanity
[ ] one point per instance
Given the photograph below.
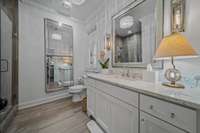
(136, 33)
(58, 55)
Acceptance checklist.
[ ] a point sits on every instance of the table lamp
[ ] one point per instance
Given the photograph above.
(174, 46)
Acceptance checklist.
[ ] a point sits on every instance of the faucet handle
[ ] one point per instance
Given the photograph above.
(123, 72)
(128, 73)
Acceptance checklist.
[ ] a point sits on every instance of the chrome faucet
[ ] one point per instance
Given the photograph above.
(125, 73)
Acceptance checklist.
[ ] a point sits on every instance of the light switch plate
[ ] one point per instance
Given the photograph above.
(4, 65)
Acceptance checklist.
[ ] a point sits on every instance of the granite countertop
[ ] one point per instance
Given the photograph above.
(186, 97)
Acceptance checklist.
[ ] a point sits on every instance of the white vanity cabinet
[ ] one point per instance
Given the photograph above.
(112, 113)
(91, 99)
(103, 108)
(124, 117)
(149, 124)
(176, 115)
(121, 110)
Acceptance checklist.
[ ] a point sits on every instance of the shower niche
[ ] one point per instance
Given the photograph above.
(58, 55)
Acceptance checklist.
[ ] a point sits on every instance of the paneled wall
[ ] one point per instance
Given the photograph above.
(99, 23)
(101, 18)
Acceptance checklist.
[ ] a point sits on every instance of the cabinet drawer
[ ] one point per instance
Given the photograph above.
(150, 124)
(89, 82)
(179, 116)
(127, 96)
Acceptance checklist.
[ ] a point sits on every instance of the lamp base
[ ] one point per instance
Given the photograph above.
(174, 85)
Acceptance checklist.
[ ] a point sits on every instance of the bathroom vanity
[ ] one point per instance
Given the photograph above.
(134, 106)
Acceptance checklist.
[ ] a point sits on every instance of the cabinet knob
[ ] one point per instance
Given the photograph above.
(172, 115)
(151, 107)
(142, 120)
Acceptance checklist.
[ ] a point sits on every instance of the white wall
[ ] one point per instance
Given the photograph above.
(31, 52)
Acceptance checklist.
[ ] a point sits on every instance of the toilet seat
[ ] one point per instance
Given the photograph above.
(76, 89)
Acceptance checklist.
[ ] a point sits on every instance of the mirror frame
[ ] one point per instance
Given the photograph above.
(159, 15)
(45, 54)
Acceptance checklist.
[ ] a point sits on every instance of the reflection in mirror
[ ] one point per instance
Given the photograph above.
(92, 56)
(59, 55)
(92, 52)
(128, 40)
(59, 38)
(59, 72)
(136, 33)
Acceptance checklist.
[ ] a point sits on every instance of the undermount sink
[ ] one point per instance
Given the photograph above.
(119, 77)
(145, 76)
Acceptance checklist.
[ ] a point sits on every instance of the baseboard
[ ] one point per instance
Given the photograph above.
(8, 119)
(42, 101)
(93, 127)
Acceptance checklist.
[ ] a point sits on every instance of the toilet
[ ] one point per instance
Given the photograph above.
(78, 92)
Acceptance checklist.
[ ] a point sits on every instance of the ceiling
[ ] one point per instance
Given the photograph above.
(84, 10)
(80, 12)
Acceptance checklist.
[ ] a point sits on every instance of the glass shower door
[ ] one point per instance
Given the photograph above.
(6, 64)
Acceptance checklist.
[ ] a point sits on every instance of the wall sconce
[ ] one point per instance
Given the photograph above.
(178, 15)
(108, 43)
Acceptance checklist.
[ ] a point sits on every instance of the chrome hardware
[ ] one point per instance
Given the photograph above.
(151, 107)
(4, 65)
(128, 73)
(172, 115)
(142, 120)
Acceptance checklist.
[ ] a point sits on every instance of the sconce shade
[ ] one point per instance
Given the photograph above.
(174, 45)
(67, 60)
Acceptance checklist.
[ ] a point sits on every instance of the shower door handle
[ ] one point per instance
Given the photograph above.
(4, 65)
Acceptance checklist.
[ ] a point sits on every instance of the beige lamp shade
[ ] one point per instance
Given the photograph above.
(174, 45)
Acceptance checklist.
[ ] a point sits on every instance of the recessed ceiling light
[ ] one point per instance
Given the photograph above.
(130, 32)
(56, 36)
(126, 22)
(78, 2)
(60, 24)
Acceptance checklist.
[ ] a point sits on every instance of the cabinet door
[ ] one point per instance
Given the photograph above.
(149, 124)
(91, 98)
(103, 111)
(124, 117)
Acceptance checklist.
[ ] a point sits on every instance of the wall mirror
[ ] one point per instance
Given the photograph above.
(136, 33)
(58, 55)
